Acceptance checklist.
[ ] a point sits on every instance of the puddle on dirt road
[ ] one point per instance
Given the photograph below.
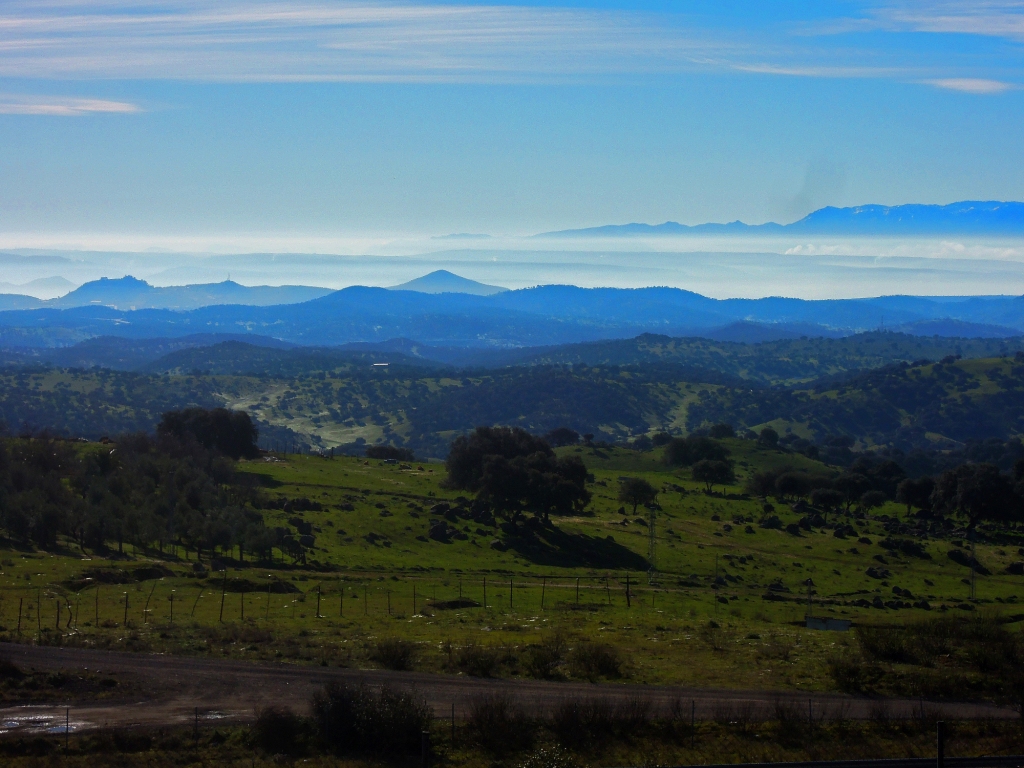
(35, 720)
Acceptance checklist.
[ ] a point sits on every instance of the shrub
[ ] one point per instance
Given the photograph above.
(593, 660)
(279, 731)
(389, 452)
(549, 757)
(577, 722)
(499, 723)
(394, 653)
(365, 719)
(478, 660)
(9, 670)
(543, 660)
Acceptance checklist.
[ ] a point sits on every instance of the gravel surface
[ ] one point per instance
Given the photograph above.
(174, 690)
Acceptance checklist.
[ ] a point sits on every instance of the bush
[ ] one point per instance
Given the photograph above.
(549, 757)
(385, 452)
(478, 660)
(687, 451)
(279, 731)
(364, 719)
(593, 660)
(543, 660)
(499, 723)
(578, 722)
(394, 653)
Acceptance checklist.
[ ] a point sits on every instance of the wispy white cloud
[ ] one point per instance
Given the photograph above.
(62, 107)
(972, 85)
(990, 18)
(416, 41)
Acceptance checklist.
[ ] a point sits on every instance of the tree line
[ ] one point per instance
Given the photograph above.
(175, 487)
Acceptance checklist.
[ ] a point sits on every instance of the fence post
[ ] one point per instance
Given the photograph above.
(543, 586)
(577, 591)
(318, 601)
(414, 598)
(693, 722)
(940, 744)
(21, 600)
(510, 594)
(485, 591)
(223, 592)
(57, 625)
(629, 603)
(125, 622)
(425, 749)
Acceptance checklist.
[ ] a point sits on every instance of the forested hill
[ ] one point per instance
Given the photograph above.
(784, 361)
(924, 406)
(907, 407)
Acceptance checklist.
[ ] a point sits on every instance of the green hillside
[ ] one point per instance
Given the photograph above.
(725, 607)
(923, 406)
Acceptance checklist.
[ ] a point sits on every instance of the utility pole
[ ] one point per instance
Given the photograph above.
(652, 539)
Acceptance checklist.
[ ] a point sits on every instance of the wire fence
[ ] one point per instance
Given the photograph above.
(267, 597)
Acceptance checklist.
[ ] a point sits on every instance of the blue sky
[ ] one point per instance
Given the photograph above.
(316, 118)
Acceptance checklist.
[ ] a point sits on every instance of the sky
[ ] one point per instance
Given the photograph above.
(216, 125)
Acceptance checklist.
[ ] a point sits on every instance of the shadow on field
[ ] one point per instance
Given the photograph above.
(552, 546)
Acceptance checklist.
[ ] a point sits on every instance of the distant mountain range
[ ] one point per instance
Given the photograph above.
(541, 316)
(443, 281)
(129, 293)
(964, 218)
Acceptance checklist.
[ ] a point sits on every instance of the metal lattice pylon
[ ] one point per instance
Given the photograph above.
(652, 540)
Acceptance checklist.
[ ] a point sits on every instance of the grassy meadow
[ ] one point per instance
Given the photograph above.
(725, 606)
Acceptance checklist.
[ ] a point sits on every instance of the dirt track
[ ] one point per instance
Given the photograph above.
(172, 688)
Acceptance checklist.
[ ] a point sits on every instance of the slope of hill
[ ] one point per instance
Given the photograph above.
(133, 354)
(128, 293)
(333, 398)
(531, 317)
(443, 281)
(936, 405)
(962, 218)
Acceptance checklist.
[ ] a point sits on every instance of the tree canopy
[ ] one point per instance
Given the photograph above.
(687, 451)
(636, 491)
(513, 471)
(712, 473)
(232, 433)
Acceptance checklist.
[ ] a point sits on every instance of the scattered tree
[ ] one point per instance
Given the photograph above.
(385, 452)
(636, 491)
(976, 492)
(768, 438)
(562, 436)
(719, 431)
(915, 493)
(687, 451)
(232, 433)
(827, 500)
(712, 473)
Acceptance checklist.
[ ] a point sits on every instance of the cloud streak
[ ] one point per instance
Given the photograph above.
(365, 41)
(972, 85)
(55, 106)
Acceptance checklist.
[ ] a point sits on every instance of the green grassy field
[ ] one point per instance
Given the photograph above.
(724, 608)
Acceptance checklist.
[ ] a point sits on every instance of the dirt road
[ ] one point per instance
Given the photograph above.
(174, 690)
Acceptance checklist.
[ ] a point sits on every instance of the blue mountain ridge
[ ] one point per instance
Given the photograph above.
(545, 315)
(969, 217)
